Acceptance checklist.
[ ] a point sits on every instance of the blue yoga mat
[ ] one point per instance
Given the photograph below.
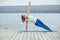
(37, 31)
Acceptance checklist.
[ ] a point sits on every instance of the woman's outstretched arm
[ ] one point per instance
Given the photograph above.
(29, 4)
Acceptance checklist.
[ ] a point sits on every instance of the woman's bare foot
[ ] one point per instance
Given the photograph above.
(51, 30)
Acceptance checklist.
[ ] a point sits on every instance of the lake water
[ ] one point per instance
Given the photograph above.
(13, 20)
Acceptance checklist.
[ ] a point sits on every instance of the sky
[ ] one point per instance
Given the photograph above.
(25, 2)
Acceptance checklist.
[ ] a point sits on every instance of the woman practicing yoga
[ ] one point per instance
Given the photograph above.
(35, 21)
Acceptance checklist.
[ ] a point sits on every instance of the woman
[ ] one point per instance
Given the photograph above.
(35, 21)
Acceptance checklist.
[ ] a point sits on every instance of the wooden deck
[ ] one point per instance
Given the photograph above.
(15, 34)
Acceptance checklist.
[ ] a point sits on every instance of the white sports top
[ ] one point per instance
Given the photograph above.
(32, 19)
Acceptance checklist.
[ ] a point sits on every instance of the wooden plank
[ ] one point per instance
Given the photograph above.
(21, 36)
(15, 34)
(47, 36)
(43, 36)
(40, 36)
(3, 34)
(50, 36)
(32, 36)
(25, 36)
(57, 35)
(36, 36)
(9, 34)
(16, 37)
(54, 36)
(28, 37)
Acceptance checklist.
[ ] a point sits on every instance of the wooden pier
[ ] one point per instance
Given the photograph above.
(15, 34)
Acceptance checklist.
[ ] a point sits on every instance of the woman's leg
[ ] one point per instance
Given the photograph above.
(41, 24)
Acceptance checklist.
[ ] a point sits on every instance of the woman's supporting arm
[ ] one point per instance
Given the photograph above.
(26, 24)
